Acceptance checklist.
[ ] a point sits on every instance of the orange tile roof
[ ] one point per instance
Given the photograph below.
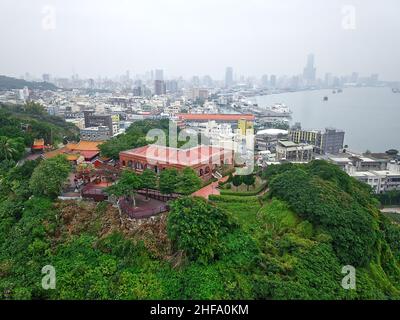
(55, 153)
(216, 117)
(85, 146)
(72, 157)
(38, 144)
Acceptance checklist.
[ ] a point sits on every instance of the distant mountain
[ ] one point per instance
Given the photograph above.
(8, 83)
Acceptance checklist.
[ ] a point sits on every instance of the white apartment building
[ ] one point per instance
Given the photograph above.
(379, 180)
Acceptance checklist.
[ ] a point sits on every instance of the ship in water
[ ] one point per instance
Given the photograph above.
(277, 110)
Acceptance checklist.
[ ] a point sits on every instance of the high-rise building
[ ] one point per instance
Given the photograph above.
(374, 79)
(159, 75)
(264, 80)
(46, 77)
(159, 87)
(195, 81)
(228, 77)
(328, 82)
(354, 77)
(309, 73)
(207, 81)
(137, 88)
(272, 81)
(171, 86)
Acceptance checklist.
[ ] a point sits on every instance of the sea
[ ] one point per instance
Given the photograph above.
(370, 117)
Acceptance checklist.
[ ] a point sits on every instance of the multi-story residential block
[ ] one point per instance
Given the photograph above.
(329, 141)
(267, 139)
(380, 180)
(79, 122)
(100, 133)
(197, 93)
(291, 151)
(95, 120)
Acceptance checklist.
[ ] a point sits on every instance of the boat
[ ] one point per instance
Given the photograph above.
(277, 110)
(395, 90)
(325, 98)
(340, 91)
(334, 91)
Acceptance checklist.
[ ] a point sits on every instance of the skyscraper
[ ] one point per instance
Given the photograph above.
(228, 77)
(354, 77)
(159, 75)
(159, 87)
(264, 80)
(272, 81)
(309, 73)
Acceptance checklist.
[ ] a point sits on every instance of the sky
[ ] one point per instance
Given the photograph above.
(199, 37)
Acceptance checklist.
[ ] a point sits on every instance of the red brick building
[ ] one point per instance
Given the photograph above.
(203, 159)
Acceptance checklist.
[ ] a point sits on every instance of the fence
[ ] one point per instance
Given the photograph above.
(155, 194)
(95, 194)
(141, 213)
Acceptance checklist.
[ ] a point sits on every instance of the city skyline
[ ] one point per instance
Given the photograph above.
(104, 39)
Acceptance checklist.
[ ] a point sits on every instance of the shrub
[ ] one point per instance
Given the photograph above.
(196, 227)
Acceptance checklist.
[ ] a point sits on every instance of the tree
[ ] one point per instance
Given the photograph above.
(249, 180)
(189, 182)
(11, 149)
(126, 186)
(168, 181)
(149, 180)
(237, 181)
(48, 177)
(197, 227)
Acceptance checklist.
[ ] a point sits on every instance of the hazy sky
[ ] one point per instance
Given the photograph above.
(198, 37)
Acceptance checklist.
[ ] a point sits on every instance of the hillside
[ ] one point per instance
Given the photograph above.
(41, 125)
(288, 244)
(8, 83)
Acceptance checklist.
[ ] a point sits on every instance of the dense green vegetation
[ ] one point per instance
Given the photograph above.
(21, 124)
(169, 181)
(49, 176)
(135, 136)
(8, 83)
(290, 243)
(30, 121)
(389, 198)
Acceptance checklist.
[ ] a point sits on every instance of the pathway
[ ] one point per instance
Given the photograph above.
(212, 188)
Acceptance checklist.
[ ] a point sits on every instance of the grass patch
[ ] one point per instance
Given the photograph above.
(244, 209)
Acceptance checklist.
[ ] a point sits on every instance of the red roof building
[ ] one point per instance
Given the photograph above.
(216, 117)
(203, 159)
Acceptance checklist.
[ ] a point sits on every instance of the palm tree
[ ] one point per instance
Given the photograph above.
(7, 148)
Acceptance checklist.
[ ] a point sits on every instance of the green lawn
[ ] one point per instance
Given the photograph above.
(245, 209)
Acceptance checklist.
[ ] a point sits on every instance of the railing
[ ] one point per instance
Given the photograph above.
(141, 213)
(155, 194)
(93, 193)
